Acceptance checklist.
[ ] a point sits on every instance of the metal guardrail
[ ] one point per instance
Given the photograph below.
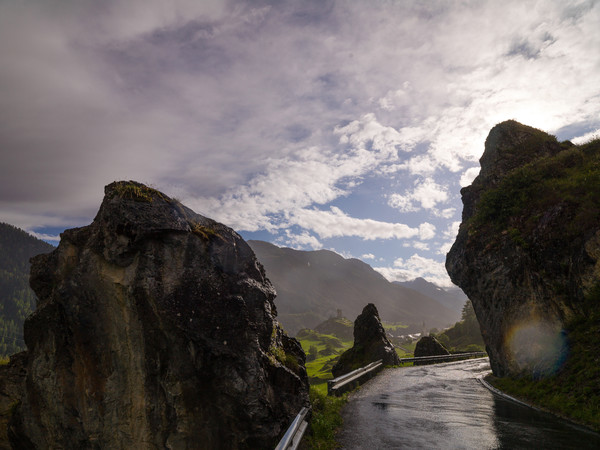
(443, 358)
(292, 437)
(352, 379)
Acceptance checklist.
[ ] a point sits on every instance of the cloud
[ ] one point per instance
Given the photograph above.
(445, 248)
(262, 114)
(335, 223)
(468, 176)
(368, 256)
(414, 267)
(446, 213)
(46, 237)
(426, 192)
(369, 133)
(309, 176)
(450, 235)
(586, 137)
(302, 241)
(417, 245)
(452, 230)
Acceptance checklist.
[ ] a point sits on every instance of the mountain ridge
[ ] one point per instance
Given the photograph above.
(312, 285)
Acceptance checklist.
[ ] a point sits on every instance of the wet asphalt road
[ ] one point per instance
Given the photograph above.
(444, 406)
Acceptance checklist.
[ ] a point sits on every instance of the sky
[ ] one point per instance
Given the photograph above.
(348, 125)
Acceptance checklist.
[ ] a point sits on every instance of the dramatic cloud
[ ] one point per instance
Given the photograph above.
(301, 122)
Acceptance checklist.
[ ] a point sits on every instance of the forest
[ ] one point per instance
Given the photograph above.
(17, 300)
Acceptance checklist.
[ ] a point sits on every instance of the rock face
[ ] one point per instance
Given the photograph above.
(155, 328)
(430, 346)
(370, 344)
(12, 380)
(528, 250)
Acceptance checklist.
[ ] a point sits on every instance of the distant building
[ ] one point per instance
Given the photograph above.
(339, 314)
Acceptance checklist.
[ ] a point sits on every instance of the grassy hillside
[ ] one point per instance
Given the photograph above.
(322, 351)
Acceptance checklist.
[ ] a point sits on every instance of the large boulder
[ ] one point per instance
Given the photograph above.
(429, 346)
(155, 328)
(528, 250)
(370, 344)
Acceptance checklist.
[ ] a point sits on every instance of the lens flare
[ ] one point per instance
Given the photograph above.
(537, 347)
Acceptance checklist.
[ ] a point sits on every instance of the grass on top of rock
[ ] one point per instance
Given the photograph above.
(570, 178)
(205, 232)
(136, 191)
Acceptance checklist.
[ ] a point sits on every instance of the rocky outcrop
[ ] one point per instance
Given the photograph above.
(155, 328)
(429, 346)
(528, 250)
(370, 344)
(12, 380)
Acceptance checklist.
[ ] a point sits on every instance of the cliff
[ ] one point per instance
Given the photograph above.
(155, 328)
(528, 251)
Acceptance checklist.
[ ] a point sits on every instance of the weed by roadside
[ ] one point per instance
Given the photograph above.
(326, 418)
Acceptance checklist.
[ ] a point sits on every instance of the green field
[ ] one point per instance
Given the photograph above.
(323, 350)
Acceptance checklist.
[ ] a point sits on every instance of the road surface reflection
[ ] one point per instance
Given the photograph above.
(444, 406)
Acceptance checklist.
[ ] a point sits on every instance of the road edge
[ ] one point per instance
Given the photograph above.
(498, 392)
(489, 387)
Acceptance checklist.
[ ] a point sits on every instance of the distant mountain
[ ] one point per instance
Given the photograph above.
(312, 285)
(453, 298)
(17, 300)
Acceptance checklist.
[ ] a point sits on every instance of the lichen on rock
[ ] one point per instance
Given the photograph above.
(155, 328)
